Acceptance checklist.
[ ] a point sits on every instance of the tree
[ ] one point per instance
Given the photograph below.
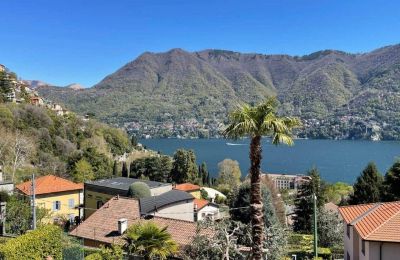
(368, 186)
(139, 190)
(255, 122)
(229, 173)
(19, 216)
(239, 202)
(150, 241)
(222, 244)
(82, 171)
(115, 169)
(134, 141)
(330, 229)
(21, 150)
(304, 202)
(157, 168)
(203, 173)
(391, 186)
(184, 166)
(124, 172)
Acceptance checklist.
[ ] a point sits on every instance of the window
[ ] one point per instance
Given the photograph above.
(99, 204)
(71, 218)
(71, 203)
(348, 256)
(56, 205)
(348, 231)
(363, 246)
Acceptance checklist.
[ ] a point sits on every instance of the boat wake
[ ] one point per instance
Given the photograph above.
(234, 144)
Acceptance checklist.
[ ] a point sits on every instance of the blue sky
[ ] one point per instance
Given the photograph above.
(82, 41)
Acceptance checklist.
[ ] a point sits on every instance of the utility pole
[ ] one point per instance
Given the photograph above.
(315, 227)
(33, 203)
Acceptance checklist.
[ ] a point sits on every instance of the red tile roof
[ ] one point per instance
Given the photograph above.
(187, 187)
(201, 203)
(377, 222)
(102, 225)
(49, 184)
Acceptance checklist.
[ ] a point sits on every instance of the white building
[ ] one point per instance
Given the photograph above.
(371, 231)
(205, 210)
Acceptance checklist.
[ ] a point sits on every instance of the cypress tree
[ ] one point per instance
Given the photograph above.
(391, 185)
(368, 186)
(304, 202)
(124, 170)
(115, 169)
(134, 141)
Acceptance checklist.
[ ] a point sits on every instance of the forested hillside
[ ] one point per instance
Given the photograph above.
(36, 140)
(337, 94)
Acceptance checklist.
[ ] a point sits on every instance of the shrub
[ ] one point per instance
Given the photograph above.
(139, 190)
(37, 244)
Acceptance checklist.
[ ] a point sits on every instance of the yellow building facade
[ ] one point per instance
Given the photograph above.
(61, 197)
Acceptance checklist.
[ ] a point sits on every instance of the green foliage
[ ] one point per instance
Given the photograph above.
(302, 246)
(82, 171)
(184, 167)
(38, 244)
(114, 252)
(156, 168)
(19, 215)
(139, 190)
(134, 141)
(391, 186)
(56, 143)
(338, 192)
(304, 202)
(367, 188)
(330, 229)
(150, 241)
(229, 173)
(117, 140)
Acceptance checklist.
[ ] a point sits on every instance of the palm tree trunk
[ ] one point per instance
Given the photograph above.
(256, 205)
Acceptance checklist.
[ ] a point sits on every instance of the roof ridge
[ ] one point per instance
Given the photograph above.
(383, 223)
(366, 213)
(362, 204)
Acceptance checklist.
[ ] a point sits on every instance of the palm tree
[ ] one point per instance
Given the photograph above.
(255, 122)
(150, 241)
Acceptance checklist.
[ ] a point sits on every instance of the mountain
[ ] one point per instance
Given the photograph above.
(75, 86)
(176, 85)
(33, 84)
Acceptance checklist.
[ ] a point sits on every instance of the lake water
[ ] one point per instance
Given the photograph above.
(336, 160)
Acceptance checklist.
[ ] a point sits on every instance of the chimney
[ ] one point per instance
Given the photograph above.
(122, 225)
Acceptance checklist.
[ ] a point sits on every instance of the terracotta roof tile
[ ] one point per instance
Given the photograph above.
(378, 222)
(187, 187)
(350, 213)
(103, 224)
(201, 203)
(49, 184)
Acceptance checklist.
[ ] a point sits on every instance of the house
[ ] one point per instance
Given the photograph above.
(2, 68)
(99, 192)
(286, 181)
(62, 197)
(205, 210)
(212, 194)
(36, 101)
(190, 188)
(174, 204)
(371, 231)
(108, 224)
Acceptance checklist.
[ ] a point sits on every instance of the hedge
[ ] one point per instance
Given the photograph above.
(36, 245)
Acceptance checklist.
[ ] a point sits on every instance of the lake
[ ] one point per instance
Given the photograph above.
(336, 160)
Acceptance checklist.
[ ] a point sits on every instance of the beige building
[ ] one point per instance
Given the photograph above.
(371, 231)
(287, 181)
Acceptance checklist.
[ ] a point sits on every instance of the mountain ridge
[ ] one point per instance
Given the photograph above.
(207, 84)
